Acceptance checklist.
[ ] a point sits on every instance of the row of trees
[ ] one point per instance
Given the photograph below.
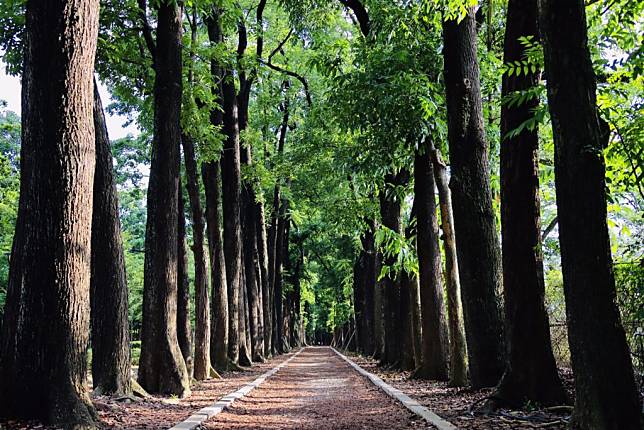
(332, 166)
(68, 252)
(508, 337)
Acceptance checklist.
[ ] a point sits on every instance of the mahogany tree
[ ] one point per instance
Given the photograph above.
(606, 396)
(43, 344)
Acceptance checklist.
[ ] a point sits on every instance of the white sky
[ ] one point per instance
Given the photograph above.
(10, 92)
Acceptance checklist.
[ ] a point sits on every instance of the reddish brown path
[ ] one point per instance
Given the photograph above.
(316, 390)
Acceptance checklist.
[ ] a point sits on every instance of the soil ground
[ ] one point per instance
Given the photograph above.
(317, 390)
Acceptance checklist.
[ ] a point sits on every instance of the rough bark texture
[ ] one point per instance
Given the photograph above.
(202, 299)
(606, 397)
(434, 332)
(231, 185)
(280, 257)
(406, 329)
(251, 262)
(369, 281)
(457, 344)
(358, 298)
(378, 320)
(474, 220)
(211, 173)
(262, 251)
(390, 212)
(108, 284)
(273, 239)
(46, 321)
(219, 336)
(184, 328)
(161, 367)
(530, 372)
(416, 320)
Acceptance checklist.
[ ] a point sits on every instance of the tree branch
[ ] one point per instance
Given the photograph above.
(280, 69)
(147, 29)
(361, 15)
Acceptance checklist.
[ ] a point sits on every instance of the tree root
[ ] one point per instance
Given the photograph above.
(138, 390)
(212, 373)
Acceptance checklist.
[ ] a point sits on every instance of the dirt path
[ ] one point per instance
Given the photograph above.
(317, 390)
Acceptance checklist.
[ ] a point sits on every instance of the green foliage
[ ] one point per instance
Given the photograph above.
(9, 191)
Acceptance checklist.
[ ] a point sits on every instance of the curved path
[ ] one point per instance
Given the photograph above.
(316, 390)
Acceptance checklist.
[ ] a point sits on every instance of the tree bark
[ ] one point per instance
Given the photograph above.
(530, 372)
(390, 212)
(280, 256)
(358, 298)
(219, 335)
(44, 336)
(162, 368)
(457, 344)
(474, 220)
(378, 318)
(369, 287)
(434, 327)
(108, 284)
(416, 318)
(202, 300)
(184, 328)
(262, 247)
(211, 173)
(231, 184)
(606, 396)
(406, 321)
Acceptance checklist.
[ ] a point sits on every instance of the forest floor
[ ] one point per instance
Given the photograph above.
(317, 390)
(455, 404)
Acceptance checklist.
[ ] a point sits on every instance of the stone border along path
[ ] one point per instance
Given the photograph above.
(196, 419)
(403, 398)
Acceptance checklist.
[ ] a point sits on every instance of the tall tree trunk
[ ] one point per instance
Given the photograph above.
(472, 200)
(434, 340)
(457, 344)
(417, 323)
(202, 300)
(390, 211)
(406, 329)
(606, 397)
(162, 368)
(184, 328)
(108, 284)
(248, 198)
(531, 371)
(231, 180)
(378, 306)
(231, 185)
(262, 248)
(245, 353)
(358, 298)
(219, 335)
(369, 287)
(280, 256)
(250, 266)
(211, 173)
(274, 235)
(46, 321)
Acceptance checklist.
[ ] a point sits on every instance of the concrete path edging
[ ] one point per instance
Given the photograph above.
(196, 419)
(403, 398)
